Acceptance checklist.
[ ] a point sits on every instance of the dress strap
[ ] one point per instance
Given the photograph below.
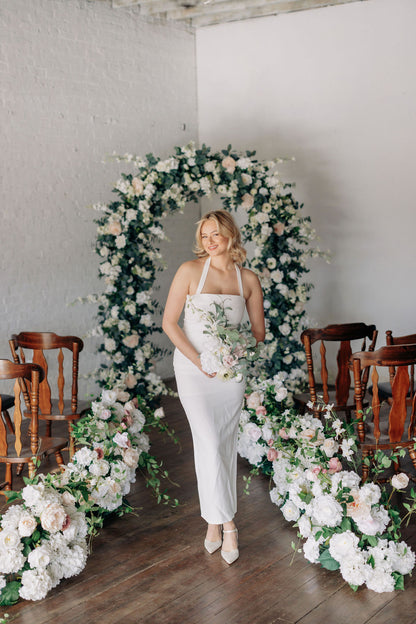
(203, 276)
(240, 282)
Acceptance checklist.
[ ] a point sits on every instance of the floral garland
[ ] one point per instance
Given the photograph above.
(345, 525)
(46, 538)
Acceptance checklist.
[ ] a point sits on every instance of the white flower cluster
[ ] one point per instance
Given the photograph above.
(61, 550)
(49, 515)
(312, 488)
(117, 439)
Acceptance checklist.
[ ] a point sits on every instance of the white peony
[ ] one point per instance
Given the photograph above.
(341, 545)
(35, 584)
(40, 556)
(326, 511)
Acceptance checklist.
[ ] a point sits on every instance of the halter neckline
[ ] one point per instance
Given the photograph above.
(204, 276)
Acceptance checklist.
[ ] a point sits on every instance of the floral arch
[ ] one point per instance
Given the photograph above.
(131, 227)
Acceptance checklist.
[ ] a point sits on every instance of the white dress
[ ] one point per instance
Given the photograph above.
(213, 409)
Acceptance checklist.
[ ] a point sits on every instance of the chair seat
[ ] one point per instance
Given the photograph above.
(46, 447)
(66, 414)
(7, 401)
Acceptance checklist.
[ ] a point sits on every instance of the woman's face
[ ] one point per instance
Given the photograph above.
(213, 242)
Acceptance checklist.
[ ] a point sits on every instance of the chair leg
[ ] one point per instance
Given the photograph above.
(59, 459)
(19, 469)
(8, 477)
(365, 467)
(71, 441)
(32, 469)
(412, 453)
(48, 431)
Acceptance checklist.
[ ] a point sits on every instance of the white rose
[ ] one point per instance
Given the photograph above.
(53, 517)
(290, 511)
(130, 457)
(330, 447)
(400, 481)
(27, 524)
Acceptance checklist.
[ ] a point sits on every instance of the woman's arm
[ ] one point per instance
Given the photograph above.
(254, 305)
(174, 305)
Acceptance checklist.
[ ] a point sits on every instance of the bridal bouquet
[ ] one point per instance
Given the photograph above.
(229, 351)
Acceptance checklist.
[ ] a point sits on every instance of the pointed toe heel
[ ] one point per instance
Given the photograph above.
(230, 556)
(212, 547)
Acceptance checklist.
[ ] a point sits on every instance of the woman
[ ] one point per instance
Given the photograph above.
(213, 406)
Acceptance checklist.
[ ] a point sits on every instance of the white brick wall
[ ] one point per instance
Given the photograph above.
(79, 80)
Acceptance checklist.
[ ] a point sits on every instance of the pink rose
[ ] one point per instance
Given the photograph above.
(316, 470)
(279, 228)
(130, 380)
(272, 454)
(334, 465)
(114, 228)
(229, 164)
(229, 361)
(131, 341)
(254, 400)
(261, 411)
(127, 420)
(137, 185)
(283, 434)
(135, 402)
(247, 201)
(270, 442)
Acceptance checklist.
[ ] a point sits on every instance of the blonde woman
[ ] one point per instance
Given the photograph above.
(213, 406)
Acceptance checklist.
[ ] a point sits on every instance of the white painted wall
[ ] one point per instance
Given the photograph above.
(79, 80)
(335, 87)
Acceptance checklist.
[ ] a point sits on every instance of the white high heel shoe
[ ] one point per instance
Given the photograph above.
(212, 547)
(231, 555)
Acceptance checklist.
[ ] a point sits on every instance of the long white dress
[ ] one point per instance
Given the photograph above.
(213, 408)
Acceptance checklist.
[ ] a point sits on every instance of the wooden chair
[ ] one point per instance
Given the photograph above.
(339, 393)
(52, 409)
(18, 448)
(396, 414)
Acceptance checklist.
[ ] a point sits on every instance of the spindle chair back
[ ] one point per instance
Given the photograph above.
(399, 413)
(51, 408)
(21, 447)
(339, 394)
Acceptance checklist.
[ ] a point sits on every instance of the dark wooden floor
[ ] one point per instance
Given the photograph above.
(151, 568)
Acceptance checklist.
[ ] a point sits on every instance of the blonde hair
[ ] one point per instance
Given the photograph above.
(228, 228)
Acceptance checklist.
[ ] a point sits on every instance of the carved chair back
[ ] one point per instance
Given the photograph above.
(38, 343)
(401, 340)
(342, 334)
(400, 411)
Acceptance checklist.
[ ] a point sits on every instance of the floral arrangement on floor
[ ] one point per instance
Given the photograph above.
(46, 537)
(345, 525)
